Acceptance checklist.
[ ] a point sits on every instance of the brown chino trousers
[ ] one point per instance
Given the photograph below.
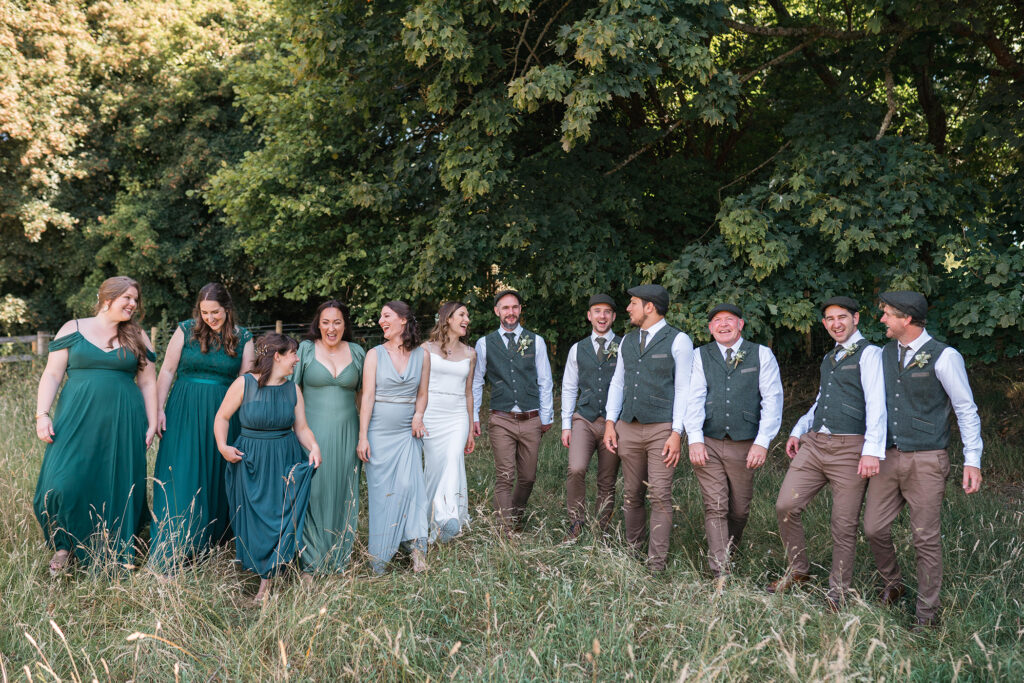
(918, 480)
(644, 473)
(726, 486)
(585, 438)
(516, 444)
(823, 459)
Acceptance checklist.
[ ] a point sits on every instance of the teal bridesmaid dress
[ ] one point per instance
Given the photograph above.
(268, 490)
(91, 494)
(190, 503)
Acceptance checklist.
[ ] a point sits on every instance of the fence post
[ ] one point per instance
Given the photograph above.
(279, 327)
(152, 336)
(41, 346)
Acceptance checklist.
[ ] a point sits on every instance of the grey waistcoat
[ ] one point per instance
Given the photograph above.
(841, 398)
(916, 403)
(733, 404)
(513, 376)
(594, 378)
(649, 380)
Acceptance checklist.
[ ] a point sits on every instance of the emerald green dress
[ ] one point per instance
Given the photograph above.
(268, 490)
(91, 494)
(333, 515)
(190, 504)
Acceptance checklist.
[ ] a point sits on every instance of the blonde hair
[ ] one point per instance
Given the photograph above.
(439, 335)
(129, 334)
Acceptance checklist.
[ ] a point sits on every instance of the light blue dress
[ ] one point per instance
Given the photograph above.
(394, 474)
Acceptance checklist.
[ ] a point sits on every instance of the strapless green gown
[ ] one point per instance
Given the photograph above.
(268, 490)
(190, 504)
(333, 516)
(91, 494)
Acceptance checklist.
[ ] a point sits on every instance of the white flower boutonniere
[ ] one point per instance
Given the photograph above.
(524, 344)
(612, 351)
(852, 348)
(737, 358)
(920, 360)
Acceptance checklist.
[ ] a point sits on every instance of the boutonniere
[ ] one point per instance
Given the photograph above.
(920, 360)
(737, 358)
(524, 344)
(612, 351)
(852, 348)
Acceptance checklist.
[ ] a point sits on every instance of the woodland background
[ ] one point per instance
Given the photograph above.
(772, 153)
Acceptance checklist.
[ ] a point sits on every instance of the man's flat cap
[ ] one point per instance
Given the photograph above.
(602, 299)
(912, 303)
(844, 301)
(656, 294)
(505, 292)
(725, 308)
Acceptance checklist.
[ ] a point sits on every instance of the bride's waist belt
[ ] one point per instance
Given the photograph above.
(383, 398)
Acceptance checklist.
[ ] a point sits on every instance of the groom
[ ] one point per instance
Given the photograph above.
(515, 363)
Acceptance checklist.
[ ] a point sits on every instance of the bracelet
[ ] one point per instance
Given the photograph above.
(45, 413)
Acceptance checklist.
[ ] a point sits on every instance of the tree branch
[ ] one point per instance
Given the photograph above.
(1004, 57)
(778, 60)
(632, 157)
(890, 100)
(800, 31)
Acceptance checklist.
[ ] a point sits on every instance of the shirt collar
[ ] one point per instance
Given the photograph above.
(922, 339)
(854, 338)
(653, 329)
(609, 335)
(517, 332)
(735, 347)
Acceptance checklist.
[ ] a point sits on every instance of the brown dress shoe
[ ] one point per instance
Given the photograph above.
(891, 594)
(787, 581)
(575, 529)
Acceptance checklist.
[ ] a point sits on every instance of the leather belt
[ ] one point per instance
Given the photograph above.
(530, 414)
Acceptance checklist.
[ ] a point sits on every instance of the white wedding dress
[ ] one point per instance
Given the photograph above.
(444, 467)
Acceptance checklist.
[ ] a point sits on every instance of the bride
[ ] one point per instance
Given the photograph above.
(448, 420)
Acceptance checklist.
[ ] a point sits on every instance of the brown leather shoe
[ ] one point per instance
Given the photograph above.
(890, 595)
(787, 581)
(575, 529)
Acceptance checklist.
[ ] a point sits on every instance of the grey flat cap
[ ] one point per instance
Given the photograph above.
(505, 292)
(844, 301)
(602, 299)
(656, 294)
(725, 308)
(912, 303)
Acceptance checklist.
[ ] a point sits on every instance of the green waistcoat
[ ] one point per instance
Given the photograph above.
(841, 396)
(594, 377)
(733, 404)
(649, 379)
(916, 403)
(513, 375)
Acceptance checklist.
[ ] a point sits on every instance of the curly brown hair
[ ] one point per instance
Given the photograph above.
(439, 335)
(266, 346)
(227, 338)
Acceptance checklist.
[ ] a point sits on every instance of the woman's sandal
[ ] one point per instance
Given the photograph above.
(59, 562)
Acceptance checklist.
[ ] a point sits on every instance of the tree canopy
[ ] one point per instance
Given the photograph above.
(771, 153)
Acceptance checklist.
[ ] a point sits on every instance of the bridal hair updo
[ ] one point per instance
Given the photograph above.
(129, 335)
(411, 334)
(227, 338)
(439, 335)
(266, 346)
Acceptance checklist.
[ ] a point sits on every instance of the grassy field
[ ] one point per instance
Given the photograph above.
(529, 609)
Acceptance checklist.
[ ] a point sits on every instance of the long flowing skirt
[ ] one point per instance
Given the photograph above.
(444, 465)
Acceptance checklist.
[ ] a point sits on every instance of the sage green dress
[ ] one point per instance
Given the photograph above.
(190, 503)
(91, 495)
(333, 514)
(268, 490)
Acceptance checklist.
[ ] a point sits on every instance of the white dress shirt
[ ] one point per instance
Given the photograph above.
(682, 354)
(571, 376)
(952, 374)
(544, 381)
(769, 382)
(873, 384)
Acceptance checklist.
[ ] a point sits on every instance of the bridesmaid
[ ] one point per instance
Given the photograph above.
(190, 505)
(329, 373)
(91, 494)
(390, 428)
(269, 477)
(448, 421)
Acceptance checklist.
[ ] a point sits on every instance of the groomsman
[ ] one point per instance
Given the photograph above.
(839, 442)
(733, 412)
(924, 380)
(514, 361)
(588, 372)
(644, 417)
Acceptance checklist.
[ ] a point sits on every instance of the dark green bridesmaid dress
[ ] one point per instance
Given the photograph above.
(190, 503)
(91, 494)
(268, 490)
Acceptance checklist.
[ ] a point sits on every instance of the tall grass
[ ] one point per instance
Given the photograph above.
(527, 609)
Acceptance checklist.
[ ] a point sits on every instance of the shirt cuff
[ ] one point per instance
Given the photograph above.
(566, 423)
(696, 436)
(762, 442)
(972, 460)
